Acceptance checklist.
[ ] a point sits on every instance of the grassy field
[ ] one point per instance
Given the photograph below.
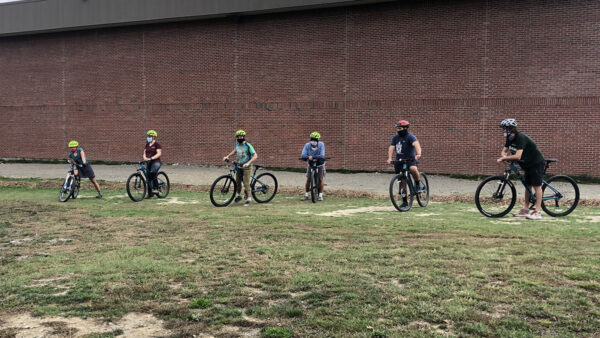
(288, 268)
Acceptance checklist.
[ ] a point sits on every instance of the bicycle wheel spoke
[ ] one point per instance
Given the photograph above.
(264, 188)
(222, 191)
(495, 197)
(560, 196)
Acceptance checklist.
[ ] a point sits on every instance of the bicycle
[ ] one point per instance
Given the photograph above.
(137, 184)
(223, 189)
(70, 187)
(496, 195)
(402, 186)
(315, 180)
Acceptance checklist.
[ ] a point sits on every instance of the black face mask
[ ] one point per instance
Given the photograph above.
(402, 132)
(240, 140)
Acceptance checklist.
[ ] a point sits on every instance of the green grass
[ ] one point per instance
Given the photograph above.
(282, 268)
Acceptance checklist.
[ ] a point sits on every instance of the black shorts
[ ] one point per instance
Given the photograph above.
(535, 174)
(409, 163)
(86, 171)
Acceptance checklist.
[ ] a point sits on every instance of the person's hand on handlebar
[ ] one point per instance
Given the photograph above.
(501, 159)
(310, 158)
(389, 161)
(417, 157)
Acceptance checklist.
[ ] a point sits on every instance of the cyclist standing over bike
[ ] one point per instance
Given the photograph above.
(152, 154)
(524, 150)
(314, 150)
(407, 147)
(245, 156)
(84, 168)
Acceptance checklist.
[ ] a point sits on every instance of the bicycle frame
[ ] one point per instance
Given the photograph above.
(406, 176)
(236, 168)
(514, 169)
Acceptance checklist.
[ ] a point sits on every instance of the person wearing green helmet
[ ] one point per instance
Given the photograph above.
(152, 154)
(245, 156)
(83, 167)
(314, 151)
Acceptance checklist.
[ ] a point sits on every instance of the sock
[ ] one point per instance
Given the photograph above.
(305, 194)
(417, 183)
(248, 199)
(320, 194)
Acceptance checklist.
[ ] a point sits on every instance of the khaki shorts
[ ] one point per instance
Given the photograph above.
(320, 171)
(244, 174)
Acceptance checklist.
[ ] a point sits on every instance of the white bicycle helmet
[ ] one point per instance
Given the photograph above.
(508, 123)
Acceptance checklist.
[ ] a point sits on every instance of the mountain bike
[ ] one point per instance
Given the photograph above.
(70, 187)
(263, 186)
(496, 195)
(315, 180)
(138, 184)
(402, 186)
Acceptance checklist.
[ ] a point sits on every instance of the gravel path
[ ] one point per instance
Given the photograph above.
(202, 175)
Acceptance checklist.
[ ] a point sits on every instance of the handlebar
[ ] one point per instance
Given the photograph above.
(306, 159)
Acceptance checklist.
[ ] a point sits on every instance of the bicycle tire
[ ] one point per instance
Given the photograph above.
(136, 184)
(65, 193)
(395, 193)
(75, 190)
(164, 186)
(314, 190)
(267, 190)
(498, 204)
(570, 195)
(423, 197)
(221, 189)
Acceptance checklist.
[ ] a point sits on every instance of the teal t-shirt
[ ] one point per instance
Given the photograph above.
(76, 156)
(244, 152)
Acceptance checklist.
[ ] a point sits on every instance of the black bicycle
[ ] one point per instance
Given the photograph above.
(315, 180)
(402, 186)
(496, 195)
(70, 187)
(263, 186)
(138, 187)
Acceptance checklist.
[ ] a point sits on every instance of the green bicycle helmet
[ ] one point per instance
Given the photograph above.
(240, 133)
(73, 144)
(316, 135)
(152, 133)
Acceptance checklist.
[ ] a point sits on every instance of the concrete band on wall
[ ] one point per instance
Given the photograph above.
(454, 70)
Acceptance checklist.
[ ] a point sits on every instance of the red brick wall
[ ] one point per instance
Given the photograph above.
(454, 69)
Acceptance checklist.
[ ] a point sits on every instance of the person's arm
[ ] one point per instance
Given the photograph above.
(417, 146)
(304, 154)
(321, 154)
(390, 153)
(515, 157)
(157, 155)
(231, 153)
(144, 156)
(504, 152)
(254, 157)
(83, 158)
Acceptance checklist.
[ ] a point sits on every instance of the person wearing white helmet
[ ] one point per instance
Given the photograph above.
(523, 149)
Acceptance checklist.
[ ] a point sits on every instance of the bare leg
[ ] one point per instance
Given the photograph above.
(526, 201)
(96, 185)
(415, 173)
(321, 185)
(307, 186)
(538, 197)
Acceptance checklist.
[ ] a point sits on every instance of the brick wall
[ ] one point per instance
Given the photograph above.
(454, 69)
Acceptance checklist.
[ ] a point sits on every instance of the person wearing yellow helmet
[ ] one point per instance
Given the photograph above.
(152, 154)
(314, 151)
(83, 167)
(245, 156)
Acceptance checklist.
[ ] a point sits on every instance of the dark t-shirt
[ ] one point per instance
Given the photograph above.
(404, 146)
(532, 156)
(151, 150)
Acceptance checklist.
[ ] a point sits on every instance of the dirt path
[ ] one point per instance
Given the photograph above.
(202, 175)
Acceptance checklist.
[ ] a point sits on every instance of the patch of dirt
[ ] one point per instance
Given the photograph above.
(175, 200)
(236, 331)
(132, 325)
(346, 212)
(426, 215)
(589, 219)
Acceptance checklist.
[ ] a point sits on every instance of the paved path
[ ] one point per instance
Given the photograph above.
(202, 175)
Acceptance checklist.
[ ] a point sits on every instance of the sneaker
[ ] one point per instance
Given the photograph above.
(320, 198)
(237, 199)
(148, 196)
(522, 213)
(99, 195)
(247, 203)
(404, 205)
(534, 215)
(304, 198)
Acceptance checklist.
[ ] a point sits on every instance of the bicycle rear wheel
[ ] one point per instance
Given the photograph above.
(264, 187)
(495, 196)
(423, 196)
(136, 187)
(399, 193)
(314, 186)
(560, 195)
(163, 184)
(222, 191)
(65, 190)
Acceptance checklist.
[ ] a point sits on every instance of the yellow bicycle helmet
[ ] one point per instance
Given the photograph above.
(152, 133)
(240, 133)
(316, 135)
(73, 144)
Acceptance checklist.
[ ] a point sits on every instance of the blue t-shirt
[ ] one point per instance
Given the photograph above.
(404, 146)
(318, 152)
(76, 156)
(244, 152)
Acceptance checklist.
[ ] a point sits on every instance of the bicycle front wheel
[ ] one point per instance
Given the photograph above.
(423, 192)
(314, 186)
(65, 191)
(560, 195)
(136, 187)
(495, 196)
(76, 185)
(222, 191)
(264, 188)
(401, 198)
(163, 184)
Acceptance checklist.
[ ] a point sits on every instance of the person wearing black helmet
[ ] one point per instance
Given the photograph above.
(407, 147)
(523, 149)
